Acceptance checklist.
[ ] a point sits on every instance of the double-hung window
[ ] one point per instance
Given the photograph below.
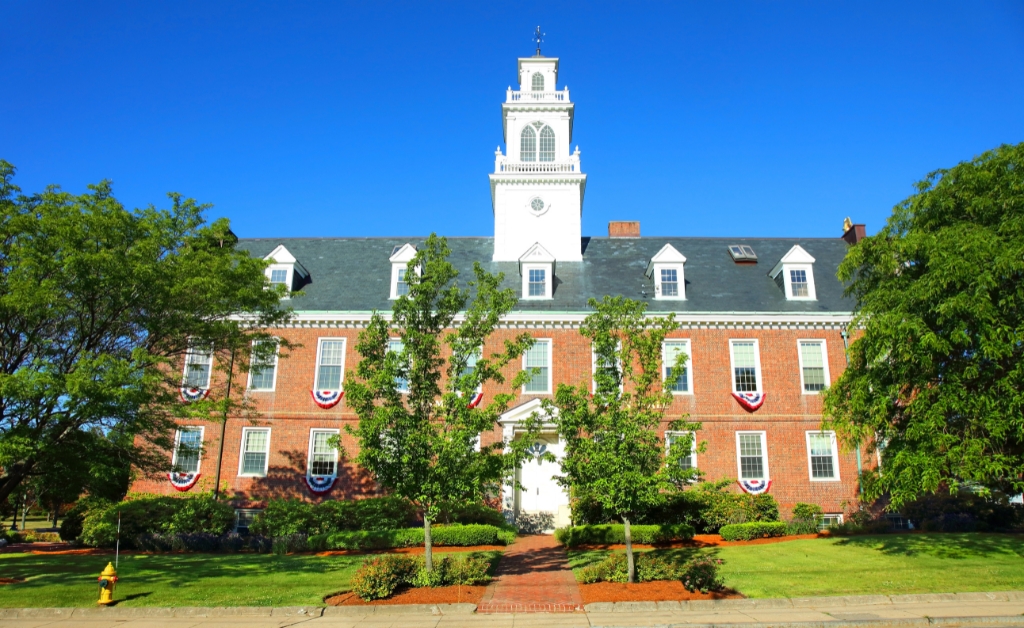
(279, 276)
(746, 363)
(537, 361)
(813, 366)
(401, 284)
(669, 282)
(395, 345)
(188, 449)
(670, 352)
(255, 451)
(689, 461)
(798, 284)
(603, 366)
(822, 456)
(330, 364)
(323, 458)
(198, 366)
(538, 282)
(471, 360)
(263, 372)
(752, 459)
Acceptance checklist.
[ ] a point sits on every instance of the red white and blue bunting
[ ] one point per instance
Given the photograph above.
(749, 400)
(188, 395)
(183, 481)
(475, 400)
(755, 487)
(327, 398)
(319, 484)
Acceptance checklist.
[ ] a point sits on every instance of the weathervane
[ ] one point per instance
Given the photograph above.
(538, 37)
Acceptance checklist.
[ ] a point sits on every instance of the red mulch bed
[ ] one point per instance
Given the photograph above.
(424, 595)
(659, 591)
(4, 581)
(417, 550)
(711, 540)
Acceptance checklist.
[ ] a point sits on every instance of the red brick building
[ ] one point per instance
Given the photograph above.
(763, 323)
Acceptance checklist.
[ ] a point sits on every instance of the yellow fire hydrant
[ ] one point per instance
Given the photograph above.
(107, 579)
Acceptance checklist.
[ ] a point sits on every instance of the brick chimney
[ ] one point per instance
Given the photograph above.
(853, 233)
(624, 229)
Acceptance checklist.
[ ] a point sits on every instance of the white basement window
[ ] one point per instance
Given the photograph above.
(255, 452)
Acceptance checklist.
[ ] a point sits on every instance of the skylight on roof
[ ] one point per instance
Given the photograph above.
(742, 253)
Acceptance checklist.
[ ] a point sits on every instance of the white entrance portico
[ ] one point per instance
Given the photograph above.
(544, 504)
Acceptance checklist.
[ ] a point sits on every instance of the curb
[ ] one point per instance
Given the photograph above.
(144, 612)
(943, 622)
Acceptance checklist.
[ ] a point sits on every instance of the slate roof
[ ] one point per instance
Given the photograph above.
(354, 274)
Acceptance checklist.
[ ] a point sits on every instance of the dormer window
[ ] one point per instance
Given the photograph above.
(666, 268)
(285, 270)
(537, 267)
(794, 274)
(400, 258)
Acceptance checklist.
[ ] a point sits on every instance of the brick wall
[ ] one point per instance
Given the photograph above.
(786, 415)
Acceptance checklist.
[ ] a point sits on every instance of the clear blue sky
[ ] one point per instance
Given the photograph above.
(372, 118)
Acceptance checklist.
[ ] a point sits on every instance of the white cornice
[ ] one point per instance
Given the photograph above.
(573, 320)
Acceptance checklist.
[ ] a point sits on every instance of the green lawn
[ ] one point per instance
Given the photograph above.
(887, 564)
(178, 579)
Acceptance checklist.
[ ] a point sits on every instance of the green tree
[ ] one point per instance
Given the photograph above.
(613, 453)
(936, 378)
(98, 308)
(417, 434)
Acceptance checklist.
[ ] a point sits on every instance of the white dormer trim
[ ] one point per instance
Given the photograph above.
(796, 259)
(537, 258)
(399, 262)
(668, 259)
(282, 259)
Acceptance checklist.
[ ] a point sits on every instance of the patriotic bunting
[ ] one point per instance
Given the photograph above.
(326, 398)
(749, 400)
(755, 487)
(475, 400)
(319, 484)
(183, 481)
(188, 395)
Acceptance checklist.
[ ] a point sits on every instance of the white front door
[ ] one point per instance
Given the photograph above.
(543, 494)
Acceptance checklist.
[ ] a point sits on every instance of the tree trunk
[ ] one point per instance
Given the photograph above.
(24, 512)
(428, 546)
(630, 563)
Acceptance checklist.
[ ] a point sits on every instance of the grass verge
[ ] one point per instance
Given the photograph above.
(862, 565)
(180, 579)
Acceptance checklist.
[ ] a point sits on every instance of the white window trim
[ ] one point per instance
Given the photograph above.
(309, 451)
(479, 353)
(657, 282)
(693, 445)
(395, 268)
(824, 361)
(177, 443)
(289, 279)
(593, 369)
(404, 391)
(238, 511)
(757, 362)
(835, 456)
(838, 516)
(764, 453)
(241, 453)
(548, 279)
(551, 372)
(316, 365)
(689, 363)
(788, 280)
(273, 384)
(184, 371)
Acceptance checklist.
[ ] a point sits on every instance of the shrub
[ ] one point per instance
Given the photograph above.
(290, 544)
(455, 535)
(753, 530)
(150, 514)
(283, 517)
(468, 569)
(701, 574)
(472, 513)
(379, 577)
(807, 512)
(200, 542)
(962, 512)
(609, 534)
(202, 514)
(71, 526)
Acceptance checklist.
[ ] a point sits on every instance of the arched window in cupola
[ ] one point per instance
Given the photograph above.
(538, 82)
(528, 144)
(547, 144)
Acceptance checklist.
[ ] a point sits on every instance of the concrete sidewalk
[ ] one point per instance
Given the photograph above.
(866, 611)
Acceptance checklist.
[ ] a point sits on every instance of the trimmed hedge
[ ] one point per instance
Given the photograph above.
(698, 574)
(453, 535)
(754, 530)
(381, 576)
(614, 534)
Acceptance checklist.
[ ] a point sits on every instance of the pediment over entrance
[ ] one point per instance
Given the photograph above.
(522, 413)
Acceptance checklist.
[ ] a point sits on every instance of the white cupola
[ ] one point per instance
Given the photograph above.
(537, 187)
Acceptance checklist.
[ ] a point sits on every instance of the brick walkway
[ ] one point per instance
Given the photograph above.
(533, 577)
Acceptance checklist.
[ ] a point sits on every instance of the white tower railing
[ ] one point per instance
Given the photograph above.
(502, 164)
(530, 97)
